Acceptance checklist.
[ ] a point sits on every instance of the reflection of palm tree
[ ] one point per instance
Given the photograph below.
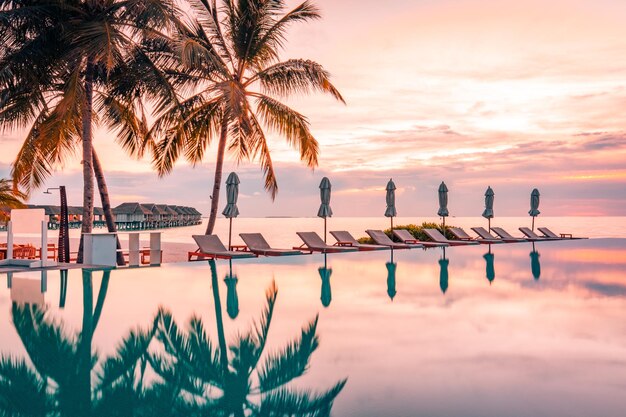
(59, 382)
(234, 381)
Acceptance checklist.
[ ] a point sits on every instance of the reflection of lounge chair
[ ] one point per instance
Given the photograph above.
(314, 243)
(212, 247)
(382, 239)
(484, 234)
(436, 236)
(549, 233)
(532, 236)
(504, 235)
(258, 245)
(462, 235)
(344, 238)
(406, 237)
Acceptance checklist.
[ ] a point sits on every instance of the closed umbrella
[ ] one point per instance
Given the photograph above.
(391, 279)
(232, 299)
(391, 201)
(325, 210)
(443, 272)
(488, 213)
(535, 266)
(534, 206)
(443, 204)
(325, 274)
(231, 210)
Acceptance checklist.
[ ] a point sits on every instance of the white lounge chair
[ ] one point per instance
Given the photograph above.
(484, 234)
(530, 235)
(436, 236)
(211, 247)
(345, 239)
(382, 239)
(257, 244)
(314, 243)
(406, 237)
(462, 235)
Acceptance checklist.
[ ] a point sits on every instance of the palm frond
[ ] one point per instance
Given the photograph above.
(291, 125)
(22, 391)
(286, 402)
(292, 362)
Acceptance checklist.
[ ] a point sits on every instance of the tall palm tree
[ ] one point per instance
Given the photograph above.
(9, 197)
(234, 380)
(229, 62)
(55, 58)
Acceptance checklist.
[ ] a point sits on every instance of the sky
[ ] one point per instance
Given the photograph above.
(476, 93)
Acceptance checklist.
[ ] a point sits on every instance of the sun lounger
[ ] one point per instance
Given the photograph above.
(211, 247)
(462, 235)
(436, 236)
(345, 239)
(549, 233)
(484, 234)
(257, 244)
(504, 235)
(382, 239)
(532, 236)
(314, 243)
(406, 237)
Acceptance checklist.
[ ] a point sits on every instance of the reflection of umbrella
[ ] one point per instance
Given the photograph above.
(391, 279)
(232, 299)
(491, 270)
(231, 210)
(443, 204)
(535, 267)
(391, 201)
(325, 210)
(534, 205)
(325, 274)
(488, 213)
(443, 272)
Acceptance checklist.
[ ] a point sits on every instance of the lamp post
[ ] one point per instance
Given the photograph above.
(64, 237)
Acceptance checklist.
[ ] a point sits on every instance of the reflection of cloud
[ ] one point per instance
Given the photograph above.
(608, 290)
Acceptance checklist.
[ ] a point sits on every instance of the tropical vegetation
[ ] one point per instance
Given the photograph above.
(416, 230)
(10, 198)
(229, 82)
(62, 66)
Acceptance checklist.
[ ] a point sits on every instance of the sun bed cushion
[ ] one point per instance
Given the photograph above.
(314, 242)
(406, 237)
(436, 236)
(344, 236)
(212, 245)
(256, 243)
(382, 239)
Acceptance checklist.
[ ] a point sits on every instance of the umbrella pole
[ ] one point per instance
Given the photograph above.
(533, 226)
(391, 224)
(489, 220)
(444, 226)
(230, 232)
(324, 229)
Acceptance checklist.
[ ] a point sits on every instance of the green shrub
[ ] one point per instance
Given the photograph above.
(415, 230)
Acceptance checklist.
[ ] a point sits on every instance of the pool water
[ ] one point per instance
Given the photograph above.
(506, 330)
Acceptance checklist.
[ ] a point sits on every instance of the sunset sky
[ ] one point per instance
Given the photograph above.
(510, 94)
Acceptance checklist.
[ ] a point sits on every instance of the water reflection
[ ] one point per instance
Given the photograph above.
(443, 271)
(160, 369)
(232, 299)
(325, 274)
(535, 266)
(391, 277)
(490, 269)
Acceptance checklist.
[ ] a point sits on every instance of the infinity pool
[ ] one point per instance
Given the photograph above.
(506, 330)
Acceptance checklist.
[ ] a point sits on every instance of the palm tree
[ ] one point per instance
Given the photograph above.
(55, 58)
(228, 58)
(234, 381)
(10, 198)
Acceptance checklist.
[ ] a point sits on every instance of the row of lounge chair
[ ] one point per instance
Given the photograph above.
(210, 246)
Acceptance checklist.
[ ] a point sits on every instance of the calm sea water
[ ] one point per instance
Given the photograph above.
(507, 330)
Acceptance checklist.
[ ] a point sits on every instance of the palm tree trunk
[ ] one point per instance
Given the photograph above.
(106, 204)
(87, 221)
(219, 163)
(84, 348)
